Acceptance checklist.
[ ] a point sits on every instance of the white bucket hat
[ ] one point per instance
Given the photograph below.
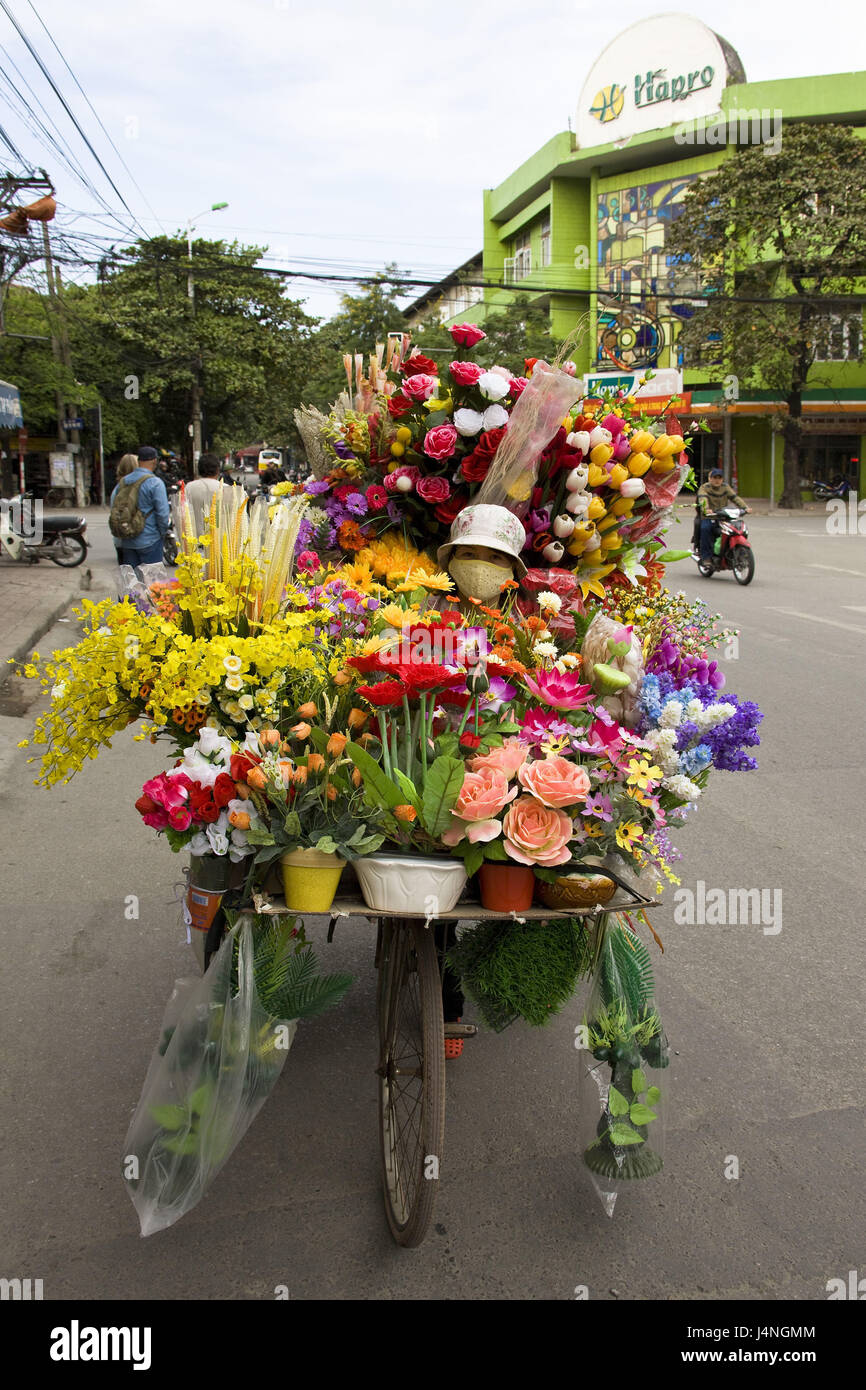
(495, 527)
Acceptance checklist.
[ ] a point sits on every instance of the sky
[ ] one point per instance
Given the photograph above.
(342, 136)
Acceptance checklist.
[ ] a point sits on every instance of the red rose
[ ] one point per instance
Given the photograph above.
(384, 694)
(434, 489)
(398, 406)
(466, 334)
(224, 790)
(419, 387)
(418, 363)
(446, 511)
(242, 763)
(145, 806)
(365, 664)
(391, 482)
(209, 812)
(470, 741)
(475, 469)
(466, 373)
(440, 443)
(489, 442)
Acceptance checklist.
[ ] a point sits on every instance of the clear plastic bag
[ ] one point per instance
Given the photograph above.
(624, 1056)
(218, 1059)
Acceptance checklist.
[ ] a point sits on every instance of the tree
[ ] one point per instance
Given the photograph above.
(518, 330)
(779, 241)
(148, 347)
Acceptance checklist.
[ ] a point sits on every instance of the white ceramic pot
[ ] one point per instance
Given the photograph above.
(410, 883)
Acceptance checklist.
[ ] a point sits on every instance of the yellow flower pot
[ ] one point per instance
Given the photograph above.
(310, 879)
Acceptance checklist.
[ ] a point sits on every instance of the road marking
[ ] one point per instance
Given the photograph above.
(837, 569)
(811, 618)
(854, 607)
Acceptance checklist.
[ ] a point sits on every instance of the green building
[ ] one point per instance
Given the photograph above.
(583, 222)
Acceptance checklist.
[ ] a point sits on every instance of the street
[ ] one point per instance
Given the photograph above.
(765, 1019)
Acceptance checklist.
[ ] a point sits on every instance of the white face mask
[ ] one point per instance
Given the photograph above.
(481, 579)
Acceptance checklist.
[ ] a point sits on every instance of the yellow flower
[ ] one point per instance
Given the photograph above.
(627, 833)
(642, 773)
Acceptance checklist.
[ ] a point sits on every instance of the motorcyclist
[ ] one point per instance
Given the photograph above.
(712, 496)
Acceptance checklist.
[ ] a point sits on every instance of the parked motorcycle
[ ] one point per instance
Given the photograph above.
(732, 549)
(27, 537)
(824, 492)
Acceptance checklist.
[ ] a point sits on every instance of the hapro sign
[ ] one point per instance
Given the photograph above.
(657, 73)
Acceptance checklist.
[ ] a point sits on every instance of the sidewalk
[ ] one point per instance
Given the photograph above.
(32, 598)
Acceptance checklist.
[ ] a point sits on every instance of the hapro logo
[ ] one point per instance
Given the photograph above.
(76, 1343)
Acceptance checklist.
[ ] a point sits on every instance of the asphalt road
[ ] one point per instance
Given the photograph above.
(767, 1029)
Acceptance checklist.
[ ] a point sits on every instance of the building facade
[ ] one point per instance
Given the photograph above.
(584, 221)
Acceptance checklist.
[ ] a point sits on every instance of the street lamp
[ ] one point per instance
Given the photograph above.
(196, 389)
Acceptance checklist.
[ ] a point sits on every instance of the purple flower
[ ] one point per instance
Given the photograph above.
(538, 724)
(598, 805)
(342, 450)
(393, 510)
(356, 504)
(314, 488)
(538, 520)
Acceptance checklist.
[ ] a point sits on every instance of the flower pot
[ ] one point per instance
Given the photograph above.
(410, 883)
(575, 890)
(506, 887)
(310, 879)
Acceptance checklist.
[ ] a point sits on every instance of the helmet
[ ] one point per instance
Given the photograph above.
(484, 524)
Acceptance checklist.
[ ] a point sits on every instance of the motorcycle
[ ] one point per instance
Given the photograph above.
(732, 549)
(28, 537)
(824, 492)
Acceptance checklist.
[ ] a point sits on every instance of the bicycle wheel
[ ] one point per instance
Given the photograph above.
(743, 564)
(411, 1077)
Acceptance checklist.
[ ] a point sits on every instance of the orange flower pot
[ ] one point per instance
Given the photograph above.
(506, 887)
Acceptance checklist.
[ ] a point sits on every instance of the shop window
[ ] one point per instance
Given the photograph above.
(545, 240)
(826, 458)
(839, 338)
(518, 266)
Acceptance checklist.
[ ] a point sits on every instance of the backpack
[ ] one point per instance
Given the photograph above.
(126, 519)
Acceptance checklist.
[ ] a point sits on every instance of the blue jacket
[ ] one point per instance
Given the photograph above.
(153, 501)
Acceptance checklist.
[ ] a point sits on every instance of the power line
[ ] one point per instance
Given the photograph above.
(96, 114)
(67, 108)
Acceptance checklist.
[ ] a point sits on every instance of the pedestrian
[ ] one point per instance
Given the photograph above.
(123, 469)
(140, 516)
(200, 492)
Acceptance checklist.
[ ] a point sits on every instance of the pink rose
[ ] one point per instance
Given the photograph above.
(510, 756)
(419, 387)
(482, 797)
(518, 385)
(433, 490)
(465, 373)
(555, 781)
(536, 834)
(440, 442)
(465, 335)
(501, 371)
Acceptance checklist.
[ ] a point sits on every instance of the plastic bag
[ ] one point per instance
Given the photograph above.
(218, 1059)
(624, 1056)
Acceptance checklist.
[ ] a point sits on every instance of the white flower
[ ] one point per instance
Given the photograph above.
(251, 744)
(218, 842)
(199, 844)
(545, 649)
(570, 661)
(549, 602)
(246, 701)
(234, 683)
(694, 711)
(468, 422)
(232, 663)
(58, 690)
(203, 697)
(682, 787)
(671, 716)
(491, 385)
(494, 416)
(717, 714)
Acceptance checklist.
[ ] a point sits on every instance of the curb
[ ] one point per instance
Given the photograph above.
(45, 623)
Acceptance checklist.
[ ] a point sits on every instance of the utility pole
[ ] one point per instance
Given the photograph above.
(196, 392)
(63, 355)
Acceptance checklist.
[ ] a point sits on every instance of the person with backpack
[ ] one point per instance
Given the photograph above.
(140, 515)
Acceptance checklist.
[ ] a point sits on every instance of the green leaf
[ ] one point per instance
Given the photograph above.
(383, 790)
(292, 825)
(408, 788)
(436, 417)
(493, 741)
(495, 850)
(326, 845)
(622, 1135)
(670, 556)
(181, 1144)
(258, 836)
(653, 1095)
(447, 743)
(199, 1099)
(441, 789)
(170, 1116)
(320, 738)
(617, 1102)
(473, 858)
(638, 1081)
(641, 1114)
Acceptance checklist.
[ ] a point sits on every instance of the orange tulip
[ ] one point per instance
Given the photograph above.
(239, 819)
(315, 762)
(309, 710)
(269, 738)
(301, 730)
(243, 791)
(341, 678)
(256, 779)
(331, 792)
(299, 775)
(285, 768)
(357, 718)
(406, 813)
(356, 777)
(336, 744)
